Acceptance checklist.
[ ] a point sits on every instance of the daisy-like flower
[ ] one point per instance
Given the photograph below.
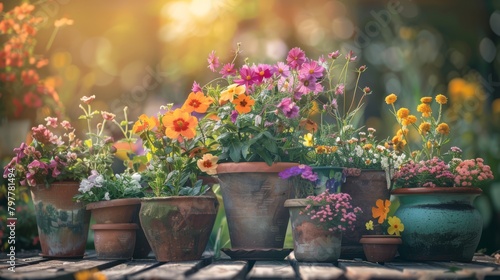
(227, 70)
(263, 71)
(230, 92)
(243, 103)
(369, 225)
(248, 76)
(395, 226)
(281, 69)
(425, 109)
(208, 164)
(197, 102)
(391, 98)
(308, 140)
(443, 128)
(295, 58)
(381, 210)
(144, 123)
(403, 113)
(441, 99)
(312, 68)
(179, 123)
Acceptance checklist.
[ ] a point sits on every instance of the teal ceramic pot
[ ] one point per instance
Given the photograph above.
(441, 224)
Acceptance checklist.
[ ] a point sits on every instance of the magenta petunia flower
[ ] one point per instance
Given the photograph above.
(248, 77)
(289, 108)
(295, 58)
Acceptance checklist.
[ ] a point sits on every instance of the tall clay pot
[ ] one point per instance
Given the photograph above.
(311, 243)
(441, 224)
(124, 210)
(178, 227)
(254, 197)
(63, 224)
(364, 189)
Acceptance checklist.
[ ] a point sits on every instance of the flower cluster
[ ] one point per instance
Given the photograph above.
(391, 225)
(22, 86)
(97, 188)
(428, 166)
(177, 152)
(305, 180)
(333, 210)
(50, 157)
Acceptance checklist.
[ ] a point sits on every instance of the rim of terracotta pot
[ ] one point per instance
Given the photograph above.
(113, 203)
(444, 190)
(380, 238)
(247, 167)
(58, 183)
(184, 197)
(297, 203)
(128, 226)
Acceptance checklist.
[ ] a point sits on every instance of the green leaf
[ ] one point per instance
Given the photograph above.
(235, 151)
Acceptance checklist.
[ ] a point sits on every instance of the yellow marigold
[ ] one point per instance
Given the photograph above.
(425, 109)
(426, 99)
(443, 128)
(411, 119)
(402, 132)
(403, 113)
(331, 149)
(320, 149)
(441, 99)
(367, 147)
(391, 98)
(424, 128)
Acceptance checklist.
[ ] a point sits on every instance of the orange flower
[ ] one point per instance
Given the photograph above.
(424, 128)
(381, 210)
(230, 92)
(179, 123)
(425, 109)
(391, 98)
(443, 128)
(426, 99)
(441, 99)
(197, 102)
(403, 113)
(243, 103)
(208, 164)
(367, 147)
(144, 123)
(411, 119)
(309, 125)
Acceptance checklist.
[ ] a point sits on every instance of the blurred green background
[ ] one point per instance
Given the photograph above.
(144, 53)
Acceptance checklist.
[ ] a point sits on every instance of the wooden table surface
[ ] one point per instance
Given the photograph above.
(35, 267)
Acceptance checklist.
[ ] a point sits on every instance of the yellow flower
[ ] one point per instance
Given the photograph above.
(308, 140)
(321, 149)
(208, 164)
(425, 109)
(369, 225)
(403, 113)
(391, 98)
(426, 99)
(441, 99)
(424, 128)
(443, 128)
(411, 119)
(367, 146)
(230, 92)
(395, 226)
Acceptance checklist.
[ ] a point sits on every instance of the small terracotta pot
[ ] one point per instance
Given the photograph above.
(380, 248)
(115, 211)
(114, 241)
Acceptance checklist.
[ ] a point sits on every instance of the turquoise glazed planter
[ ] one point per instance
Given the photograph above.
(441, 224)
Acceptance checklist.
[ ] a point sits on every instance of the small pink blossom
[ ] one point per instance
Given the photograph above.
(51, 121)
(87, 100)
(213, 62)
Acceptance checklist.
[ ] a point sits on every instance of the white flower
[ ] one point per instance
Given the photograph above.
(258, 120)
(106, 196)
(136, 177)
(85, 186)
(99, 180)
(359, 151)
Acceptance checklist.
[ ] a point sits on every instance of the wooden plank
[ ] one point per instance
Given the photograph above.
(54, 269)
(358, 269)
(319, 271)
(429, 270)
(172, 270)
(4, 263)
(222, 270)
(129, 268)
(271, 270)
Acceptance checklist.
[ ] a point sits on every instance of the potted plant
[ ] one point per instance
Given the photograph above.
(382, 245)
(52, 165)
(177, 214)
(25, 89)
(448, 227)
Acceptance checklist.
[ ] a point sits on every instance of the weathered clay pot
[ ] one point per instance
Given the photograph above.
(380, 248)
(124, 210)
(364, 189)
(63, 224)
(311, 243)
(441, 224)
(114, 241)
(178, 228)
(254, 197)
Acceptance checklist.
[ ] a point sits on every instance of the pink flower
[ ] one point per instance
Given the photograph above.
(51, 121)
(295, 58)
(66, 125)
(227, 70)
(334, 55)
(289, 108)
(247, 77)
(263, 71)
(340, 89)
(281, 69)
(213, 62)
(108, 116)
(313, 69)
(87, 100)
(196, 87)
(350, 56)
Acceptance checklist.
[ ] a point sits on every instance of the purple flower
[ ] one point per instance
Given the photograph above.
(20, 154)
(289, 108)
(295, 58)
(247, 77)
(303, 170)
(227, 70)
(234, 116)
(281, 69)
(196, 87)
(263, 71)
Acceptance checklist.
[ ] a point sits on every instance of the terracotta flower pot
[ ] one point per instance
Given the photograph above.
(178, 228)
(254, 197)
(63, 224)
(441, 224)
(380, 248)
(364, 189)
(124, 210)
(114, 241)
